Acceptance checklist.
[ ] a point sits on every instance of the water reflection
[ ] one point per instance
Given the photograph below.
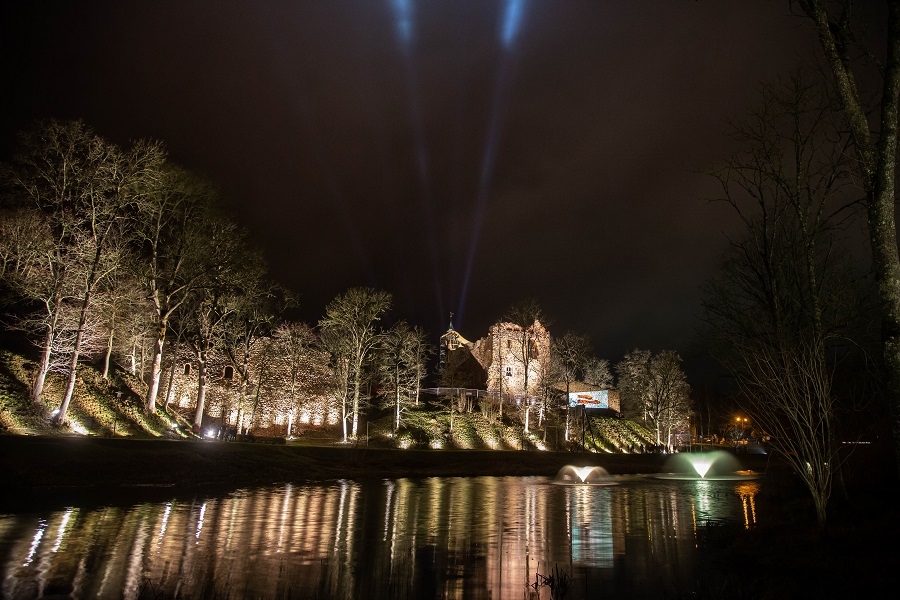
(441, 537)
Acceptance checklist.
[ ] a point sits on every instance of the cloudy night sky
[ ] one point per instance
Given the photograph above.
(461, 154)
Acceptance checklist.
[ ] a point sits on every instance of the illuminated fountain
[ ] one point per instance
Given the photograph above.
(705, 465)
(571, 475)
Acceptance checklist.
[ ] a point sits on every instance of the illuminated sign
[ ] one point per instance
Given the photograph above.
(595, 399)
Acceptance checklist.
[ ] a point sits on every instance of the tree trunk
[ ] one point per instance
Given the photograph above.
(43, 367)
(344, 415)
(201, 388)
(70, 383)
(878, 165)
(73, 362)
(108, 354)
(170, 386)
(155, 373)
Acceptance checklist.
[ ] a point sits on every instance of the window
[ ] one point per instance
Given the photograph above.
(508, 344)
(509, 371)
(187, 368)
(228, 372)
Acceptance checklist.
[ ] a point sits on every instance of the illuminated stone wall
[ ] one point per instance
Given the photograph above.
(500, 353)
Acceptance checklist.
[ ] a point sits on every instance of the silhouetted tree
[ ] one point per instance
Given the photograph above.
(871, 115)
(781, 299)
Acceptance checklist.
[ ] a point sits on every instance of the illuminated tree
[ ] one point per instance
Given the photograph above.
(34, 270)
(82, 185)
(569, 353)
(299, 374)
(233, 269)
(246, 330)
(401, 362)
(653, 388)
(596, 373)
(350, 333)
(525, 347)
(175, 251)
(126, 314)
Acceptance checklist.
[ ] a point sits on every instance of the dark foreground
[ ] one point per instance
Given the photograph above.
(856, 555)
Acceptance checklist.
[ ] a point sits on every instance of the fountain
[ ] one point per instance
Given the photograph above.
(717, 464)
(571, 474)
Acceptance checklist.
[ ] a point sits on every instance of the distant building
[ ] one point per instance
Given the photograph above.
(509, 360)
(497, 363)
(459, 367)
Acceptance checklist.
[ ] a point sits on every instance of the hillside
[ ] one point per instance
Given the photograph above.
(112, 408)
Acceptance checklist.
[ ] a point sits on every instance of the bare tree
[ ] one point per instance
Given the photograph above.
(596, 372)
(258, 313)
(873, 128)
(229, 273)
(38, 277)
(82, 185)
(401, 362)
(526, 317)
(781, 298)
(124, 309)
(300, 373)
(351, 333)
(174, 248)
(569, 352)
(654, 389)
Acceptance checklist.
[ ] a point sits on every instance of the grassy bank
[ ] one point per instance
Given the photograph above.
(71, 461)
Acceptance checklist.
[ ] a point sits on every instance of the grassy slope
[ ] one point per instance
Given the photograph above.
(96, 410)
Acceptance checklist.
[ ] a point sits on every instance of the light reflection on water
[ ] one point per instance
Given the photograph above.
(483, 537)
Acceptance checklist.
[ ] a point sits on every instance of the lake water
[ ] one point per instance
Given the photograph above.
(481, 537)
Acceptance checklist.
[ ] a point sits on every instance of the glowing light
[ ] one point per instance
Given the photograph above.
(77, 427)
(578, 475)
(512, 21)
(62, 529)
(200, 520)
(403, 19)
(437, 444)
(42, 525)
(583, 472)
(701, 464)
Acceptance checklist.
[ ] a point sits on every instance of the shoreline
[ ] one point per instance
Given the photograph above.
(47, 467)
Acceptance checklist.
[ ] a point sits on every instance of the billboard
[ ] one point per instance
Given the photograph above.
(594, 399)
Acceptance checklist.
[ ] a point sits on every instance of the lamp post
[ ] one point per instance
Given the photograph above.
(741, 424)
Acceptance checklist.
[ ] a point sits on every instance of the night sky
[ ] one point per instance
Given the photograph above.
(463, 155)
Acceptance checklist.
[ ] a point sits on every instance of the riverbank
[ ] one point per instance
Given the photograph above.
(58, 465)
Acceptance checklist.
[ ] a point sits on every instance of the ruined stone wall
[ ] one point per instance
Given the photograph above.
(500, 353)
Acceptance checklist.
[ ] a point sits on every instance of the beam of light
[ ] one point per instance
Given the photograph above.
(511, 24)
(512, 20)
(403, 22)
(487, 170)
(403, 19)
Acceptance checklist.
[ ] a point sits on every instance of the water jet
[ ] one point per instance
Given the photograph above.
(572, 475)
(715, 465)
